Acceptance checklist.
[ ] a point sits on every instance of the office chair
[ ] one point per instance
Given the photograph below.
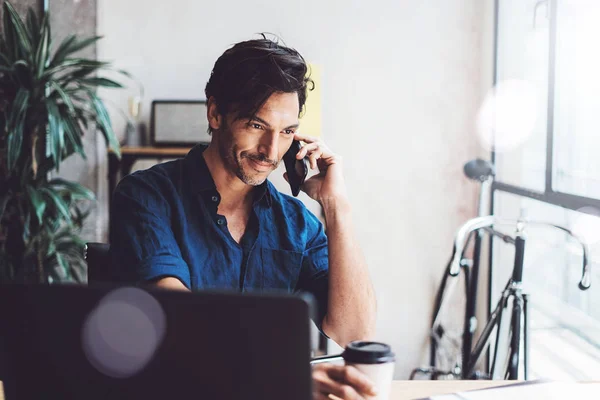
(97, 256)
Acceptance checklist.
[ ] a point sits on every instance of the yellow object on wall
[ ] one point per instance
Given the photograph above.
(310, 121)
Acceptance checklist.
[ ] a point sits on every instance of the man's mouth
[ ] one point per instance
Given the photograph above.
(261, 166)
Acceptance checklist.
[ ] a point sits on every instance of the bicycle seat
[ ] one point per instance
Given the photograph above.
(479, 170)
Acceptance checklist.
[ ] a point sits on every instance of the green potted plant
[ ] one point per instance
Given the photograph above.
(47, 101)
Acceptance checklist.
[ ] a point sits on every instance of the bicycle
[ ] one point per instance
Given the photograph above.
(452, 355)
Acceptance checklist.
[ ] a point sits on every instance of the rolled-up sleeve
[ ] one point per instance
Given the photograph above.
(314, 274)
(143, 245)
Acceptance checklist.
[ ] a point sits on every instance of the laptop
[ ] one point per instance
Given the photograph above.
(76, 342)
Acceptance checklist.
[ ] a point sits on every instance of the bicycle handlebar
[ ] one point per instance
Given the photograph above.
(474, 224)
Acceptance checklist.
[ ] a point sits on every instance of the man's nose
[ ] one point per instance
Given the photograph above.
(269, 146)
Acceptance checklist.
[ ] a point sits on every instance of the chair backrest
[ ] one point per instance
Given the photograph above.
(97, 256)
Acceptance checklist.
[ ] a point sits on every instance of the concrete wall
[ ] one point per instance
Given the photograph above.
(402, 81)
(79, 17)
(22, 6)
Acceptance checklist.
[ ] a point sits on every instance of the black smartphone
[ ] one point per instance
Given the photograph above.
(296, 169)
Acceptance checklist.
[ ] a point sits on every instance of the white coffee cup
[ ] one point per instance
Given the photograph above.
(376, 360)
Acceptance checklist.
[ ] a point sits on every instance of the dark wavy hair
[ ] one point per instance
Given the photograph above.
(246, 75)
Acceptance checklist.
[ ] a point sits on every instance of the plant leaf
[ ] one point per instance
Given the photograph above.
(51, 249)
(33, 27)
(70, 46)
(56, 133)
(79, 191)
(19, 106)
(43, 48)
(65, 97)
(58, 202)
(76, 46)
(15, 140)
(70, 247)
(5, 60)
(61, 52)
(24, 173)
(26, 230)
(72, 63)
(19, 29)
(46, 165)
(3, 203)
(22, 63)
(123, 72)
(79, 216)
(83, 116)
(103, 121)
(9, 37)
(73, 134)
(37, 203)
(63, 264)
(67, 240)
(15, 127)
(75, 74)
(49, 143)
(23, 74)
(105, 82)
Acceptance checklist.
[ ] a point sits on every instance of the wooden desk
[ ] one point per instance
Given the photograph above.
(117, 169)
(410, 390)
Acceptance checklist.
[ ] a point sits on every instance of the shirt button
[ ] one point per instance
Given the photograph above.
(220, 221)
(214, 199)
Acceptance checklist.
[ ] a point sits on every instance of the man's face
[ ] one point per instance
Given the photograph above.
(253, 149)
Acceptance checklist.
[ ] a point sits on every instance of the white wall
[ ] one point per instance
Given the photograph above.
(401, 83)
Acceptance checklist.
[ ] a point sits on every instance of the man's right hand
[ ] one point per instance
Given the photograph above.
(170, 283)
(345, 382)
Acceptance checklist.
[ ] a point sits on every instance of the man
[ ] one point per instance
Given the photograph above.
(212, 220)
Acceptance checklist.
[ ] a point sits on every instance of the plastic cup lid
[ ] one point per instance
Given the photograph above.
(363, 352)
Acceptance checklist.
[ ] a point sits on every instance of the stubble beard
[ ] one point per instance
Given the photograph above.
(235, 161)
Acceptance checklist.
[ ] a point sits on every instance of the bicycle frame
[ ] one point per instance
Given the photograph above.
(487, 222)
(512, 328)
(507, 329)
(472, 279)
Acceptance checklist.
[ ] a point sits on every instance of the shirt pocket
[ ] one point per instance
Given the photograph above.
(281, 268)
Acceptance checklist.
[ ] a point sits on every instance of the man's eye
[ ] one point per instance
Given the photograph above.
(289, 131)
(256, 126)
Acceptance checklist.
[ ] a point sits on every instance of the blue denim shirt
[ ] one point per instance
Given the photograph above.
(165, 222)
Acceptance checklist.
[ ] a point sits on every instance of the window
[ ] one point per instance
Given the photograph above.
(522, 55)
(553, 175)
(576, 167)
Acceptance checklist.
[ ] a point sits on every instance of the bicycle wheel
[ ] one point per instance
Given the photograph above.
(447, 328)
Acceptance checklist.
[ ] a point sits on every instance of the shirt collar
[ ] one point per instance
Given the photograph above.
(202, 181)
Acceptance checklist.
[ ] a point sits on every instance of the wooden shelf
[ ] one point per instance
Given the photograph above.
(154, 151)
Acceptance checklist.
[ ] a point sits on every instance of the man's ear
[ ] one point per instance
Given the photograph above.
(212, 113)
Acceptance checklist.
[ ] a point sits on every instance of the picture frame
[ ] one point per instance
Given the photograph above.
(178, 123)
